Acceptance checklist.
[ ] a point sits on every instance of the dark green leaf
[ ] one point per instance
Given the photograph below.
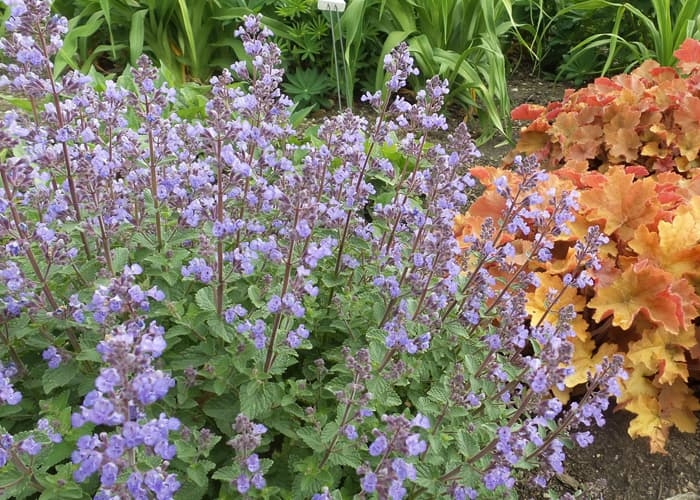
(59, 377)
(198, 472)
(312, 438)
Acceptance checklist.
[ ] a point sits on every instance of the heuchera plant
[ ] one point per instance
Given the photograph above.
(226, 307)
(629, 145)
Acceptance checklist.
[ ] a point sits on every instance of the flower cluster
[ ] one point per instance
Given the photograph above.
(8, 394)
(29, 445)
(388, 477)
(126, 385)
(248, 437)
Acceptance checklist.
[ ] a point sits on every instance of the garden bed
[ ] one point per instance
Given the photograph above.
(614, 467)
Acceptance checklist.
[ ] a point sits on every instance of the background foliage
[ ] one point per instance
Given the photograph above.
(473, 44)
(580, 39)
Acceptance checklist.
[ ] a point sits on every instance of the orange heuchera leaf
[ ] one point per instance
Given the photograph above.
(527, 112)
(679, 243)
(579, 141)
(484, 174)
(623, 203)
(532, 141)
(675, 246)
(681, 295)
(489, 204)
(537, 305)
(688, 55)
(640, 396)
(677, 404)
(659, 355)
(624, 145)
(640, 288)
(671, 190)
(648, 423)
(687, 117)
(581, 179)
(586, 358)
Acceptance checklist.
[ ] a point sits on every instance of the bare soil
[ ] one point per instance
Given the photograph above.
(614, 467)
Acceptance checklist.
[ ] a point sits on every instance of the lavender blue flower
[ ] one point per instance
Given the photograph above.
(8, 394)
(247, 438)
(378, 446)
(30, 446)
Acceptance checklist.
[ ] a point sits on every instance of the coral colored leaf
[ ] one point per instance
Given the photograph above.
(639, 289)
(489, 204)
(687, 117)
(620, 133)
(527, 112)
(641, 396)
(662, 73)
(623, 203)
(624, 145)
(688, 55)
(637, 170)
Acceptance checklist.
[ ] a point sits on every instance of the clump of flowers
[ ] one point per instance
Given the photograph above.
(126, 385)
(319, 315)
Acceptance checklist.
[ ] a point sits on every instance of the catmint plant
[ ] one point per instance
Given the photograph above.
(125, 386)
(227, 306)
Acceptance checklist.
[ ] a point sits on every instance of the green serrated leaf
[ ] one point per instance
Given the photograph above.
(310, 478)
(58, 377)
(378, 311)
(255, 296)
(120, 258)
(258, 398)
(330, 280)
(282, 422)
(427, 407)
(383, 392)
(312, 438)
(467, 443)
(194, 356)
(227, 474)
(88, 353)
(347, 456)
(189, 489)
(330, 430)
(198, 473)
(219, 329)
(185, 451)
(439, 395)
(222, 409)
(283, 361)
(204, 298)
(14, 484)
(60, 485)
